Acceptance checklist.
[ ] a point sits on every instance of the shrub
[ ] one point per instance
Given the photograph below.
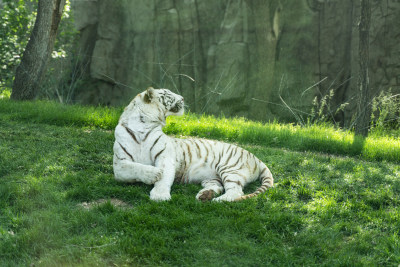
(385, 112)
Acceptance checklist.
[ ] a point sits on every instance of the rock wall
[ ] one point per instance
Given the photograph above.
(251, 58)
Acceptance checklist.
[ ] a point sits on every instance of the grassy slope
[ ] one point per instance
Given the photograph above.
(325, 209)
(317, 138)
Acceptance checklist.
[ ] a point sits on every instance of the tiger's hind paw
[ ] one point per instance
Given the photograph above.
(205, 195)
(229, 196)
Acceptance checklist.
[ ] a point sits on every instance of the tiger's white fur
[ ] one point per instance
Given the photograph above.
(143, 153)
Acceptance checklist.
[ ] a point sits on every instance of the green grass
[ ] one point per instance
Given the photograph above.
(340, 207)
(57, 114)
(319, 138)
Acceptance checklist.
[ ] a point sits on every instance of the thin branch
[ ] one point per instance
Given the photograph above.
(113, 80)
(277, 104)
(312, 86)
(187, 76)
(298, 118)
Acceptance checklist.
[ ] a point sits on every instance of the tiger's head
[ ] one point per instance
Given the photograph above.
(166, 101)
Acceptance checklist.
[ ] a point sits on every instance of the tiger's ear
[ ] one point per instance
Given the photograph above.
(148, 96)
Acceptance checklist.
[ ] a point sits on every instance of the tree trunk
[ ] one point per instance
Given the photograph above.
(266, 17)
(40, 46)
(363, 114)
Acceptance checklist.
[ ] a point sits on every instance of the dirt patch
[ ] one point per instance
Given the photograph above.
(114, 201)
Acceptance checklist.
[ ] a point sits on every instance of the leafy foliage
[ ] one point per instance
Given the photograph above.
(16, 21)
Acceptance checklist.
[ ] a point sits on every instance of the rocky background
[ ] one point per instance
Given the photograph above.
(255, 58)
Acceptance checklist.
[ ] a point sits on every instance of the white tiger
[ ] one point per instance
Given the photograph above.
(143, 153)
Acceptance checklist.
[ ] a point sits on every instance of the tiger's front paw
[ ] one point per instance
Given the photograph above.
(160, 194)
(152, 175)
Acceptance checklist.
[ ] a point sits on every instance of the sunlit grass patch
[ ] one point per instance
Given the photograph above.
(382, 148)
(321, 138)
(60, 114)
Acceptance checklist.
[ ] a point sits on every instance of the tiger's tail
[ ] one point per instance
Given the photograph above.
(267, 181)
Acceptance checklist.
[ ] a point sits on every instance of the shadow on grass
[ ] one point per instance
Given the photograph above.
(358, 144)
